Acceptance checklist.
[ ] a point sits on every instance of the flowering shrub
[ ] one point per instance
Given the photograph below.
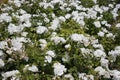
(60, 40)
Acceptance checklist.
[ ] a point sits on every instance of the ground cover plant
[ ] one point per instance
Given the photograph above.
(60, 40)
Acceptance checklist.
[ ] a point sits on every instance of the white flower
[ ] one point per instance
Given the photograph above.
(25, 17)
(115, 52)
(59, 69)
(24, 34)
(98, 9)
(13, 28)
(62, 19)
(56, 1)
(43, 43)
(67, 16)
(22, 11)
(102, 72)
(53, 34)
(86, 41)
(57, 40)
(101, 34)
(98, 46)
(77, 37)
(115, 74)
(17, 3)
(108, 25)
(95, 1)
(85, 51)
(84, 76)
(104, 22)
(1, 63)
(1, 53)
(117, 48)
(17, 43)
(97, 24)
(12, 73)
(3, 44)
(91, 77)
(27, 24)
(81, 22)
(48, 59)
(50, 53)
(104, 8)
(104, 30)
(80, 38)
(99, 53)
(5, 17)
(81, 75)
(41, 29)
(111, 5)
(91, 14)
(46, 20)
(67, 46)
(55, 24)
(110, 35)
(69, 76)
(104, 62)
(33, 68)
(118, 25)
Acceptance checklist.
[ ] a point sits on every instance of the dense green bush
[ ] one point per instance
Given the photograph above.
(51, 39)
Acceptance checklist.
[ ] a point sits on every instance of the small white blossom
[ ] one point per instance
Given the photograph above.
(118, 25)
(67, 46)
(33, 68)
(99, 53)
(59, 69)
(102, 72)
(110, 35)
(1, 63)
(22, 11)
(69, 76)
(50, 53)
(13, 28)
(97, 24)
(5, 17)
(98, 46)
(57, 40)
(55, 24)
(1, 53)
(25, 17)
(8, 74)
(115, 74)
(3, 44)
(115, 53)
(43, 43)
(41, 29)
(104, 62)
(24, 34)
(48, 59)
(62, 19)
(95, 1)
(80, 38)
(84, 76)
(67, 16)
(17, 43)
(101, 34)
(77, 37)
